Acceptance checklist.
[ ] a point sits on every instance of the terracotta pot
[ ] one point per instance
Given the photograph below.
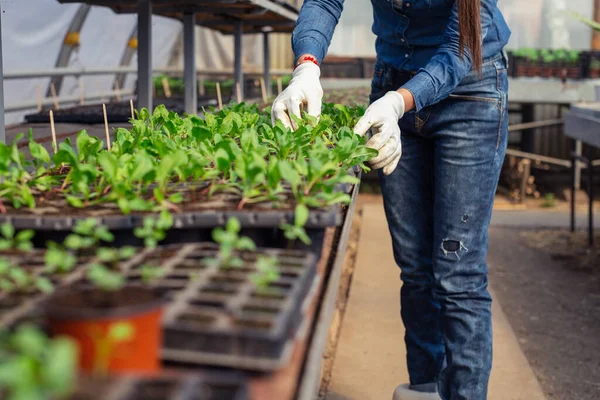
(595, 73)
(117, 332)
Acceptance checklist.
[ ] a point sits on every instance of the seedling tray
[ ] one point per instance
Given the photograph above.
(219, 317)
(261, 225)
(206, 385)
(16, 308)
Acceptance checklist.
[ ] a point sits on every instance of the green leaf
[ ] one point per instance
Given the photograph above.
(107, 254)
(165, 220)
(288, 173)
(105, 279)
(109, 164)
(201, 133)
(8, 231)
(222, 161)
(301, 215)
(39, 152)
(245, 243)
(25, 235)
(127, 252)
(59, 370)
(233, 225)
(74, 201)
(44, 285)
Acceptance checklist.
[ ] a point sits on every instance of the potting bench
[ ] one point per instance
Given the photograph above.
(582, 123)
(226, 16)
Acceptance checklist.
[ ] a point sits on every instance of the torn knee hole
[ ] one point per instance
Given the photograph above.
(450, 246)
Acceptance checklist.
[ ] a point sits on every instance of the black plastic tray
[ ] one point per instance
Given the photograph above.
(188, 227)
(218, 317)
(16, 308)
(203, 385)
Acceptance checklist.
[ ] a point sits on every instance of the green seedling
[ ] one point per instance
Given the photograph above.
(154, 230)
(233, 152)
(104, 278)
(15, 279)
(58, 259)
(35, 367)
(230, 242)
(150, 273)
(11, 241)
(88, 233)
(267, 272)
(296, 231)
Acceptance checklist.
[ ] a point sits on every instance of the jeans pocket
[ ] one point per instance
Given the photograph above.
(379, 81)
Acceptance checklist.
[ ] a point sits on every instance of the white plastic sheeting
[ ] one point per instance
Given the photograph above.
(33, 31)
(534, 23)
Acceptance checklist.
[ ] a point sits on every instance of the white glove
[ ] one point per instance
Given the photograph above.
(382, 117)
(304, 90)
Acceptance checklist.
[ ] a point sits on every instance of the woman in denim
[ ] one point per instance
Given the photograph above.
(439, 120)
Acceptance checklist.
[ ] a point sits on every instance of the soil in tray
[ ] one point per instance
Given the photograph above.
(53, 204)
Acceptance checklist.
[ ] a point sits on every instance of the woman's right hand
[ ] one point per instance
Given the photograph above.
(304, 92)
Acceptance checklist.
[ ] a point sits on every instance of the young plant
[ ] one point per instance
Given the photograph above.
(21, 241)
(267, 272)
(229, 242)
(88, 233)
(35, 367)
(296, 231)
(57, 259)
(15, 279)
(105, 274)
(154, 230)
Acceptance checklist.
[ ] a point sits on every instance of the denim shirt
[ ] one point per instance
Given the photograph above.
(420, 36)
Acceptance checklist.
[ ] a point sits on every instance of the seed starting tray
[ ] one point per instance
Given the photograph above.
(219, 317)
(206, 385)
(18, 307)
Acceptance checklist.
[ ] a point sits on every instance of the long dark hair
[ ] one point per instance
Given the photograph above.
(469, 23)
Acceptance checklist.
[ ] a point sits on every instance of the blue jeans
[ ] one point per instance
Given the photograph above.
(438, 205)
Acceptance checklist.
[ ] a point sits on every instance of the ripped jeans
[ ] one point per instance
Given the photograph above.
(438, 205)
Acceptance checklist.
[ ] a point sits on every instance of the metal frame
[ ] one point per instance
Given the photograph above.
(267, 63)
(257, 15)
(238, 73)
(66, 50)
(128, 54)
(2, 127)
(590, 175)
(144, 83)
(189, 61)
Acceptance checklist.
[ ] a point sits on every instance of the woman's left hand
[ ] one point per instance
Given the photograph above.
(382, 116)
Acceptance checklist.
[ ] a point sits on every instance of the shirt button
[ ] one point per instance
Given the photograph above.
(402, 40)
(406, 55)
(407, 4)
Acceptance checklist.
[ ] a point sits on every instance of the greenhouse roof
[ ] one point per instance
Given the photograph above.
(256, 15)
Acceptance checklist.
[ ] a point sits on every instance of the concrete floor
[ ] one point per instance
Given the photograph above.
(370, 358)
(553, 305)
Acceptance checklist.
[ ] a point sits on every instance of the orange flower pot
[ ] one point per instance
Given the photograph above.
(117, 332)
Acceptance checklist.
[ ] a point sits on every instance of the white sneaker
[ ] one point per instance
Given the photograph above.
(403, 392)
